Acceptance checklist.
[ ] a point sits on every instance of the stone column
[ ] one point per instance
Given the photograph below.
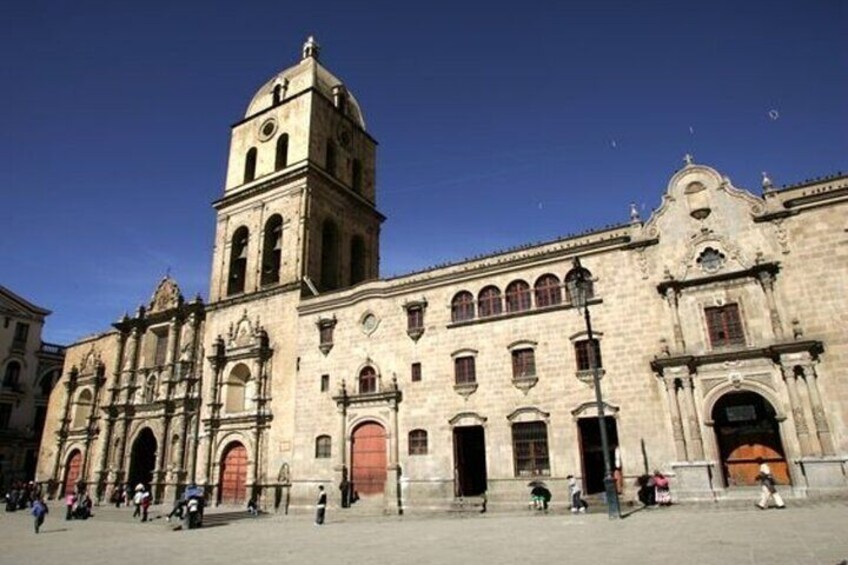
(696, 449)
(676, 422)
(671, 298)
(797, 411)
(767, 282)
(819, 417)
(103, 467)
(168, 372)
(393, 492)
(130, 364)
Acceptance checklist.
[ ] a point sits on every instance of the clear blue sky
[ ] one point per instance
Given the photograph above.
(499, 124)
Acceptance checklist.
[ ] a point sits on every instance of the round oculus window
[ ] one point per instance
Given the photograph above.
(267, 130)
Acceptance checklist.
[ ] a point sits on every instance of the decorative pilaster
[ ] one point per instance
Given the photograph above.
(766, 279)
(696, 447)
(797, 411)
(670, 386)
(819, 417)
(671, 297)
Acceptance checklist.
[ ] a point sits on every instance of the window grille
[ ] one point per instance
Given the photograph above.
(523, 363)
(724, 325)
(464, 371)
(530, 448)
(583, 349)
(418, 442)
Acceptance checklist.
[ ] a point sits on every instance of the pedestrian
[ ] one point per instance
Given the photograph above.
(252, 506)
(139, 494)
(321, 507)
(576, 492)
(39, 511)
(70, 501)
(769, 490)
(344, 488)
(662, 493)
(145, 504)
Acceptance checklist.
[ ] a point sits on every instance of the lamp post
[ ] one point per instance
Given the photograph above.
(580, 288)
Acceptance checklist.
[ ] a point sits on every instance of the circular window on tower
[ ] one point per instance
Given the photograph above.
(268, 129)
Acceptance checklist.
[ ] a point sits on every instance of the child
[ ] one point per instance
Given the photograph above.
(39, 510)
(577, 503)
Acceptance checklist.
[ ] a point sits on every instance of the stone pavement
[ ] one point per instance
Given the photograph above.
(814, 533)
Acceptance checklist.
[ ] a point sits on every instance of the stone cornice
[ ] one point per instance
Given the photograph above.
(773, 352)
(771, 267)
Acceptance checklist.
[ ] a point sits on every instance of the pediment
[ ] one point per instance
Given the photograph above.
(166, 296)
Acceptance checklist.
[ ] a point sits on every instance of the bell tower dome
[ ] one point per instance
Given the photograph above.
(299, 204)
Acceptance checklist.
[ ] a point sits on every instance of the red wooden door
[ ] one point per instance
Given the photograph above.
(72, 472)
(368, 459)
(234, 475)
(743, 467)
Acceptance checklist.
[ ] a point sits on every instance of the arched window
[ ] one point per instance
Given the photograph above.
(357, 259)
(418, 442)
(12, 375)
(517, 296)
(238, 261)
(329, 256)
(323, 447)
(47, 382)
(462, 307)
(236, 389)
(150, 389)
(276, 95)
(83, 409)
(489, 302)
(272, 250)
(367, 380)
(281, 160)
(250, 165)
(548, 292)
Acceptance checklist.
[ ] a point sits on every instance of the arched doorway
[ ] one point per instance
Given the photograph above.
(233, 475)
(73, 469)
(746, 429)
(143, 458)
(368, 459)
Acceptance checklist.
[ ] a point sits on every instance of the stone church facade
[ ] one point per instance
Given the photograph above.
(716, 338)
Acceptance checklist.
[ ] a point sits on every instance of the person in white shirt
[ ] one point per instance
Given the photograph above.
(769, 490)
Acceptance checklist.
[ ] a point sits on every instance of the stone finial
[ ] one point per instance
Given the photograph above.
(688, 159)
(634, 214)
(797, 330)
(767, 185)
(311, 49)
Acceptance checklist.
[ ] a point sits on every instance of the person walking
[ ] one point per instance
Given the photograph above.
(769, 490)
(70, 500)
(145, 504)
(39, 511)
(321, 507)
(137, 497)
(576, 493)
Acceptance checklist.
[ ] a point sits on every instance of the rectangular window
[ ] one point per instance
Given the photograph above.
(530, 446)
(325, 383)
(161, 348)
(724, 325)
(326, 334)
(464, 371)
(21, 335)
(415, 318)
(583, 351)
(416, 372)
(323, 447)
(5, 415)
(523, 363)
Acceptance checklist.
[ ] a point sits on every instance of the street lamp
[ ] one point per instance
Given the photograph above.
(579, 284)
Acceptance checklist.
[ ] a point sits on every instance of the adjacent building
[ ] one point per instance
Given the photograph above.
(29, 368)
(716, 336)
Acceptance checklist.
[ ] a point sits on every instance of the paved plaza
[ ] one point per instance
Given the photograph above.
(814, 533)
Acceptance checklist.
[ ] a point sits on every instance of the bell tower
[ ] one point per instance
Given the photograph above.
(299, 205)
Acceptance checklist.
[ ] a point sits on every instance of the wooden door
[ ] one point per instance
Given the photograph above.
(368, 459)
(234, 475)
(742, 466)
(72, 472)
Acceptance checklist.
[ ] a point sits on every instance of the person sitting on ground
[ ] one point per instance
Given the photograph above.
(252, 506)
